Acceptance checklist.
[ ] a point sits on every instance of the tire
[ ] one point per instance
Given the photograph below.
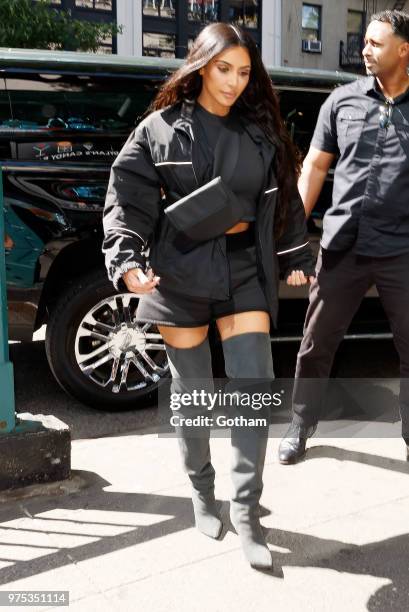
(98, 353)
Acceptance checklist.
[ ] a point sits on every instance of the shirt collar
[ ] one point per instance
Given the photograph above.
(369, 84)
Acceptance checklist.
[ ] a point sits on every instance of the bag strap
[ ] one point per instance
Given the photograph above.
(226, 152)
(204, 142)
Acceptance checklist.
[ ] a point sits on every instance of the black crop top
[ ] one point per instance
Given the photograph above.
(249, 172)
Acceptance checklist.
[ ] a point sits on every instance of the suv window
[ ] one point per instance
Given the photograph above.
(4, 115)
(55, 117)
(300, 111)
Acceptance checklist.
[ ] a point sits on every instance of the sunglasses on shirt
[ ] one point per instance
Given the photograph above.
(385, 117)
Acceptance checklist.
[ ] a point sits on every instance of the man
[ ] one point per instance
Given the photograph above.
(365, 239)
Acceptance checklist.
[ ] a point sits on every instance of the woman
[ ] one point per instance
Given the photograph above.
(218, 115)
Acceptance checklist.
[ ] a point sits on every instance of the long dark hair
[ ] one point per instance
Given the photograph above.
(258, 103)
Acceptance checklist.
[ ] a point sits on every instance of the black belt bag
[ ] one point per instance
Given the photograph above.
(207, 212)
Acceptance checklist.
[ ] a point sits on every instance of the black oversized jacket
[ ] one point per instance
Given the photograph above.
(159, 164)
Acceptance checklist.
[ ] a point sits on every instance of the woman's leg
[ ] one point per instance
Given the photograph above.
(247, 355)
(183, 337)
(242, 323)
(190, 364)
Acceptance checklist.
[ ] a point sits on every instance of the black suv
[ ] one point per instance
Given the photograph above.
(63, 119)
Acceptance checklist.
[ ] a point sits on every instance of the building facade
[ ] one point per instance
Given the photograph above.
(101, 11)
(166, 28)
(324, 34)
(327, 35)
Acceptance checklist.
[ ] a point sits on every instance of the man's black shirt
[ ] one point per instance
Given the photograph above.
(370, 202)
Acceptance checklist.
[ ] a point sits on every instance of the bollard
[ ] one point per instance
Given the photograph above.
(9, 422)
(7, 408)
(34, 449)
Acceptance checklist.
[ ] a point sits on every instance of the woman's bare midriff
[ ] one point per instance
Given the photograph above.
(239, 227)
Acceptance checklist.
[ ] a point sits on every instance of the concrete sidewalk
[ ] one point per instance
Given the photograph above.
(338, 530)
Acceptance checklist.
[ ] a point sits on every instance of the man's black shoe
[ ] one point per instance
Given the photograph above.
(292, 446)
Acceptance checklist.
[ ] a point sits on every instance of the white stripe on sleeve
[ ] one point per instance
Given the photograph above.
(124, 231)
(293, 249)
(173, 163)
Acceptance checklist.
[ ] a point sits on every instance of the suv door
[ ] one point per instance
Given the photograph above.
(300, 108)
(65, 131)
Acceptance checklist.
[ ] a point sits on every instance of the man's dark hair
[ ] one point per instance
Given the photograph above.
(399, 21)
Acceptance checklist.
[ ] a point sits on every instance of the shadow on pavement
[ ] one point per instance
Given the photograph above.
(388, 559)
(377, 461)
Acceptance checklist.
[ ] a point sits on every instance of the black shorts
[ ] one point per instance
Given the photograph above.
(165, 307)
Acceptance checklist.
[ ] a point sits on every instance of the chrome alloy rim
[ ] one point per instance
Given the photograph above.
(116, 352)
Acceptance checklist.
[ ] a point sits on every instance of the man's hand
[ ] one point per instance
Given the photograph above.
(139, 282)
(298, 278)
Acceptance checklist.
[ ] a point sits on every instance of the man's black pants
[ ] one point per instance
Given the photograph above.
(341, 282)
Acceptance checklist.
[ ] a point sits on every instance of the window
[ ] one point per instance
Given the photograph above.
(299, 110)
(159, 8)
(203, 10)
(355, 22)
(355, 27)
(5, 122)
(166, 35)
(106, 45)
(159, 45)
(311, 22)
(102, 5)
(244, 13)
(77, 117)
(5, 115)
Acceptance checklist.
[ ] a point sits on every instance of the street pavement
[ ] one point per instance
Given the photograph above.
(120, 535)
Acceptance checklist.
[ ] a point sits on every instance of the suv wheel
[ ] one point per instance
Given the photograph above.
(96, 350)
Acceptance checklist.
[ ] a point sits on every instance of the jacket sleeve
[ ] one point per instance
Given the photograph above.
(132, 207)
(293, 248)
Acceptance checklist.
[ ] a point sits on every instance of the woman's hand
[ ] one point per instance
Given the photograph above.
(139, 282)
(298, 278)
